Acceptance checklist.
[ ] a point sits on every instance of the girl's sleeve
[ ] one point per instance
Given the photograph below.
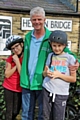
(9, 59)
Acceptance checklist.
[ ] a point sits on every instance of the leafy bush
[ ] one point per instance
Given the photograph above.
(2, 103)
(73, 87)
(75, 99)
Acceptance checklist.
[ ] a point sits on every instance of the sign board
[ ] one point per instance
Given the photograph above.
(5, 32)
(51, 24)
(69, 45)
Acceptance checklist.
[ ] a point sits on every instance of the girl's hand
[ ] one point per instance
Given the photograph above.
(17, 62)
(15, 58)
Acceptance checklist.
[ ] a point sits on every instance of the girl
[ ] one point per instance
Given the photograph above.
(11, 84)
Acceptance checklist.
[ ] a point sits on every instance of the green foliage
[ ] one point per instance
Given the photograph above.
(2, 103)
(75, 98)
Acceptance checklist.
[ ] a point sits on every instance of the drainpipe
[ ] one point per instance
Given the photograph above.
(79, 36)
(76, 5)
(79, 26)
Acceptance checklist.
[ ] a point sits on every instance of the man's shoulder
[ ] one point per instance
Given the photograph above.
(47, 31)
(29, 33)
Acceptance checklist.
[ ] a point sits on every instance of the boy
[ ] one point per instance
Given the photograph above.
(57, 78)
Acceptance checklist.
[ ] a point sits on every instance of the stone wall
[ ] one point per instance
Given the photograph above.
(73, 35)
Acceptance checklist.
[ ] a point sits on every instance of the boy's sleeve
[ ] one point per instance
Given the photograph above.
(67, 50)
(48, 59)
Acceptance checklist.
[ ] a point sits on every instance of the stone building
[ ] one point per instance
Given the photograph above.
(60, 14)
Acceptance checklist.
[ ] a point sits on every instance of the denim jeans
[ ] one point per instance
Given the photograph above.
(29, 98)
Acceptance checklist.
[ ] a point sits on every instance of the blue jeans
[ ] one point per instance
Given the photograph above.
(29, 98)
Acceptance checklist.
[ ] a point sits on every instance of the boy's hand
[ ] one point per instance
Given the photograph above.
(55, 74)
(47, 72)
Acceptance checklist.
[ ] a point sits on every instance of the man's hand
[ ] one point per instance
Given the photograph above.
(3, 58)
(74, 67)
